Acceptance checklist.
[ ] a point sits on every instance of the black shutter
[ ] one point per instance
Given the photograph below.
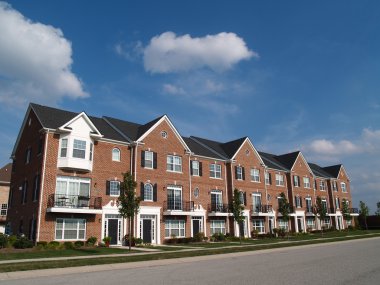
(155, 160)
(301, 201)
(243, 173)
(142, 191)
(270, 179)
(142, 158)
(236, 172)
(200, 168)
(155, 192)
(191, 167)
(107, 187)
(245, 198)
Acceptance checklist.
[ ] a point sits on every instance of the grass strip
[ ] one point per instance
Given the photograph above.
(23, 266)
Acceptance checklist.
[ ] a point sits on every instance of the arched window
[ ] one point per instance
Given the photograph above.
(148, 192)
(116, 154)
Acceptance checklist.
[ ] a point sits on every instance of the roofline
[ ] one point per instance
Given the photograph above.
(88, 120)
(208, 157)
(166, 118)
(117, 130)
(253, 147)
(209, 148)
(304, 160)
(114, 141)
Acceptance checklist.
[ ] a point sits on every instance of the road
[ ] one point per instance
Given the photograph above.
(350, 262)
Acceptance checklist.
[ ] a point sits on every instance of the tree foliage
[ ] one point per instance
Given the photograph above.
(377, 213)
(321, 211)
(345, 210)
(237, 210)
(364, 212)
(284, 207)
(128, 202)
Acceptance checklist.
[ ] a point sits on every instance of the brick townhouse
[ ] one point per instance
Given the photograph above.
(68, 168)
(5, 180)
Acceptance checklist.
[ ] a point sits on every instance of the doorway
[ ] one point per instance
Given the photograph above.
(197, 225)
(113, 228)
(300, 224)
(147, 228)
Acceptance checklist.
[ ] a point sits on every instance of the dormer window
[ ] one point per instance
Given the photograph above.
(79, 149)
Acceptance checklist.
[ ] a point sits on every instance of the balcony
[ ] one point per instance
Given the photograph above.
(218, 210)
(62, 203)
(354, 211)
(178, 207)
(262, 210)
(73, 163)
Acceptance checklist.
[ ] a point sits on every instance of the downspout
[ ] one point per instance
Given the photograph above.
(190, 176)
(42, 186)
(226, 185)
(266, 191)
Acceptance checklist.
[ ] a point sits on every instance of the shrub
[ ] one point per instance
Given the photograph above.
(254, 233)
(198, 237)
(91, 241)
(23, 242)
(42, 244)
(78, 244)
(11, 240)
(53, 245)
(138, 241)
(281, 232)
(205, 238)
(171, 241)
(232, 238)
(351, 228)
(68, 245)
(219, 237)
(3, 240)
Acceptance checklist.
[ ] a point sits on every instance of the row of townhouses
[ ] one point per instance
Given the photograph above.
(67, 169)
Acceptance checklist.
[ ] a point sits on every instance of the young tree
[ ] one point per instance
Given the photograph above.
(321, 211)
(346, 211)
(128, 202)
(284, 208)
(364, 211)
(377, 213)
(237, 211)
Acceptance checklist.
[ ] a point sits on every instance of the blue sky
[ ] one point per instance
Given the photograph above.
(291, 75)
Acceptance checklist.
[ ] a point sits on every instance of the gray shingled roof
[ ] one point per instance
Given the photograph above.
(53, 118)
(271, 161)
(333, 170)
(319, 171)
(288, 159)
(199, 149)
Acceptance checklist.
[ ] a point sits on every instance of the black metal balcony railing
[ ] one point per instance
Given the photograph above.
(354, 210)
(262, 208)
(179, 205)
(220, 208)
(74, 201)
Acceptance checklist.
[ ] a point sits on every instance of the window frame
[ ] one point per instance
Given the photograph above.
(343, 187)
(239, 172)
(268, 178)
(116, 154)
(169, 228)
(255, 175)
(306, 182)
(112, 184)
(78, 145)
(280, 182)
(64, 144)
(258, 224)
(215, 169)
(296, 181)
(146, 194)
(78, 229)
(322, 185)
(171, 163)
(148, 159)
(217, 226)
(195, 170)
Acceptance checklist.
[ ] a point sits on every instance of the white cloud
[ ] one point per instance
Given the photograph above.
(129, 51)
(173, 90)
(35, 61)
(168, 52)
(213, 87)
(327, 147)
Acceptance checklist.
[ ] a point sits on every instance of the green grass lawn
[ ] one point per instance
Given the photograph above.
(168, 255)
(36, 253)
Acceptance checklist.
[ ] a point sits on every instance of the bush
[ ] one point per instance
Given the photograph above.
(53, 245)
(23, 242)
(232, 238)
(3, 240)
(78, 244)
(254, 233)
(68, 245)
(11, 240)
(351, 228)
(138, 241)
(199, 237)
(42, 244)
(219, 237)
(91, 241)
(171, 241)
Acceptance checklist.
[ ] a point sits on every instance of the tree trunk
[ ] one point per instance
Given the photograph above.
(129, 234)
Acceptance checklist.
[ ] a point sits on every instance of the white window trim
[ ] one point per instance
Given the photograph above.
(217, 225)
(148, 184)
(174, 164)
(343, 187)
(63, 229)
(239, 172)
(298, 181)
(306, 184)
(118, 154)
(150, 161)
(253, 176)
(180, 227)
(195, 162)
(117, 182)
(279, 181)
(215, 171)
(260, 227)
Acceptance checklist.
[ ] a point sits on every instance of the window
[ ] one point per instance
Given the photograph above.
(279, 180)
(258, 225)
(79, 149)
(148, 192)
(239, 173)
(282, 224)
(217, 226)
(114, 188)
(174, 198)
(326, 222)
(216, 201)
(91, 150)
(306, 182)
(337, 203)
(255, 175)
(324, 203)
(241, 198)
(28, 154)
(164, 134)
(70, 229)
(148, 159)
(310, 223)
(195, 168)
(298, 200)
(174, 163)
(256, 202)
(335, 186)
(72, 187)
(215, 170)
(343, 186)
(322, 185)
(174, 228)
(24, 193)
(196, 192)
(296, 181)
(36, 190)
(4, 208)
(268, 178)
(309, 206)
(63, 152)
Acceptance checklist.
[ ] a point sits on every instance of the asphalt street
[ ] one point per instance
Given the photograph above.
(351, 262)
